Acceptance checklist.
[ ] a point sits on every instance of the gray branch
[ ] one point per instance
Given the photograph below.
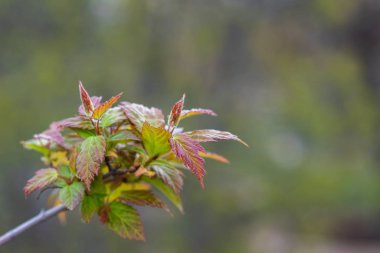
(42, 216)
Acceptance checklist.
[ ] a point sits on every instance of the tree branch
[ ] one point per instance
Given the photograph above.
(42, 216)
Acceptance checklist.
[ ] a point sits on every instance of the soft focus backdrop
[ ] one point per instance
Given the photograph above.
(298, 80)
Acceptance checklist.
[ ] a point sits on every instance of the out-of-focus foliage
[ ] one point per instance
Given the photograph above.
(298, 80)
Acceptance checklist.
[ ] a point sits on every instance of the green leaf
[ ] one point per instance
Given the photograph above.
(84, 133)
(168, 173)
(187, 150)
(72, 194)
(42, 178)
(125, 221)
(89, 206)
(142, 198)
(122, 136)
(65, 171)
(135, 149)
(60, 182)
(98, 187)
(90, 158)
(155, 140)
(37, 145)
(166, 190)
(112, 116)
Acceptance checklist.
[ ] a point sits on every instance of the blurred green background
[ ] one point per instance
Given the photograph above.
(298, 80)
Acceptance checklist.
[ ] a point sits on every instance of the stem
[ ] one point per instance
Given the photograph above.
(108, 163)
(120, 172)
(42, 216)
(97, 127)
(150, 160)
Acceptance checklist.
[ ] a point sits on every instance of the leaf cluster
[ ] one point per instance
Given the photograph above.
(110, 158)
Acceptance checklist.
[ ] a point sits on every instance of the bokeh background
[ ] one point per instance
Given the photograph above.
(298, 80)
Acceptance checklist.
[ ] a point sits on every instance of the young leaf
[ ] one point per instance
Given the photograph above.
(96, 101)
(138, 114)
(135, 149)
(100, 110)
(112, 116)
(42, 178)
(187, 150)
(194, 112)
(122, 136)
(125, 221)
(118, 188)
(66, 172)
(90, 157)
(141, 198)
(213, 135)
(168, 174)
(155, 139)
(98, 187)
(71, 195)
(103, 213)
(89, 206)
(175, 113)
(84, 133)
(53, 134)
(77, 122)
(214, 156)
(73, 160)
(37, 145)
(58, 158)
(88, 106)
(166, 190)
(60, 182)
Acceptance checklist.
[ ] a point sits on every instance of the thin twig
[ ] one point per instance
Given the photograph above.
(120, 172)
(42, 216)
(45, 189)
(108, 163)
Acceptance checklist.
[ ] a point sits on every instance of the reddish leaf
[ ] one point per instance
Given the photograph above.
(103, 214)
(42, 178)
(138, 114)
(76, 122)
(187, 150)
(100, 110)
(90, 158)
(194, 112)
(169, 174)
(207, 135)
(86, 100)
(214, 156)
(96, 101)
(175, 113)
(53, 134)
